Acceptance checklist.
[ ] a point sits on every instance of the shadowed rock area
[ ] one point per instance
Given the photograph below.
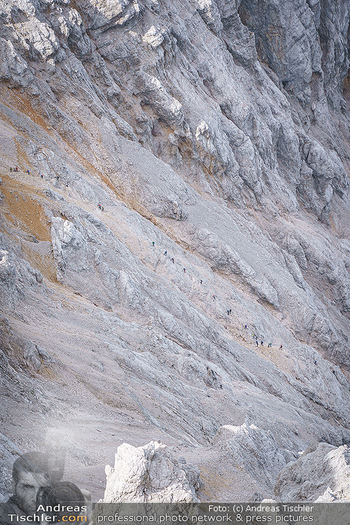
(175, 245)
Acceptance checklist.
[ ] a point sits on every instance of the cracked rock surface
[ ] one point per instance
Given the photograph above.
(174, 242)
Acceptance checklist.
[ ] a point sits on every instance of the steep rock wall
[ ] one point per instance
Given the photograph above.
(215, 137)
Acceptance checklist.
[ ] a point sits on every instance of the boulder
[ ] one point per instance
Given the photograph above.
(36, 357)
(150, 474)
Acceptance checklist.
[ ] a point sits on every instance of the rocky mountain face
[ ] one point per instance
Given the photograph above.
(181, 201)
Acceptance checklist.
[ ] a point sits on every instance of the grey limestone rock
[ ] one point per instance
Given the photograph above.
(223, 257)
(70, 28)
(333, 31)
(67, 241)
(36, 357)
(239, 40)
(153, 93)
(150, 474)
(255, 450)
(107, 14)
(286, 38)
(320, 474)
(7, 270)
(9, 451)
(209, 11)
(13, 68)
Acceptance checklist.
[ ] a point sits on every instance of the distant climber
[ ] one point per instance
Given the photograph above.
(228, 312)
(246, 326)
(165, 253)
(41, 175)
(201, 281)
(262, 343)
(257, 343)
(172, 260)
(214, 297)
(99, 205)
(153, 243)
(281, 347)
(10, 170)
(184, 269)
(28, 172)
(269, 345)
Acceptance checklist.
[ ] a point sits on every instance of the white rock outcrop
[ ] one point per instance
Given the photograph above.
(150, 474)
(320, 475)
